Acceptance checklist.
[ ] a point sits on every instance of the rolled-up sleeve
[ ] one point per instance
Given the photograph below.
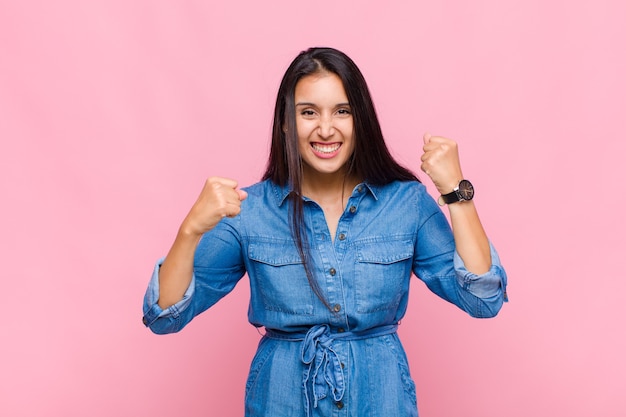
(487, 285)
(218, 266)
(439, 265)
(171, 315)
(480, 296)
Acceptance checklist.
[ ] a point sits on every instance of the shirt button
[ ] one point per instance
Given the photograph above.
(343, 365)
(144, 321)
(342, 236)
(336, 308)
(339, 405)
(332, 271)
(341, 330)
(352, 209)
(360, 189)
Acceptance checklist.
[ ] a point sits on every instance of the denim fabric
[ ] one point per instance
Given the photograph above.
(385, 234)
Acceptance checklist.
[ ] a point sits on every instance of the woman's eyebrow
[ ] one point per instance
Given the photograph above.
(313, 104)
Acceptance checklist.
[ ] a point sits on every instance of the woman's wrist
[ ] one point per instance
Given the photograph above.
(189, 232)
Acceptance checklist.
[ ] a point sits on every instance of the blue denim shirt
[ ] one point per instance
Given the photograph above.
(385, 234)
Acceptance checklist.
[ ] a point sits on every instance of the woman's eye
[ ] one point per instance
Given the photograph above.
(343, 111)
(307, 112)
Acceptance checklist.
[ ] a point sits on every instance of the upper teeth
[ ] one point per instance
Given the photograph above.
(326, 148)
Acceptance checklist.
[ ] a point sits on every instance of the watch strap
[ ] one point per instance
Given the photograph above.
(452, 197)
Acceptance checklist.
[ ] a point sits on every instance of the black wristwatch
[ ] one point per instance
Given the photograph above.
(463, 192)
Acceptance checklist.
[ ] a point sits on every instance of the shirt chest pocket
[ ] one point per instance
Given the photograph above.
(277, 275)
(382, 273)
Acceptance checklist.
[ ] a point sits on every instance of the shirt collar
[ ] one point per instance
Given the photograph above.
(281, 192)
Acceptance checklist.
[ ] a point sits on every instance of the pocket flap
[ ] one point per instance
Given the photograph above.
(386, 252)
(274, 253)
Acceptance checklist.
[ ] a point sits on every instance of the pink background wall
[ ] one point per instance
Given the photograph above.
(112, 114)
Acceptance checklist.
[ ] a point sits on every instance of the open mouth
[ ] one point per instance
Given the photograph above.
(326, 148)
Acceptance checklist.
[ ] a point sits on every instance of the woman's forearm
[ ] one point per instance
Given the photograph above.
(471, 241)
(177, 269)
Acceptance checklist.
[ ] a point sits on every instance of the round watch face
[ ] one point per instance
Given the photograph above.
(466, 190)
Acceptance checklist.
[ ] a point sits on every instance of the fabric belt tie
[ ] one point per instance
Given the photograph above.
(324, 368)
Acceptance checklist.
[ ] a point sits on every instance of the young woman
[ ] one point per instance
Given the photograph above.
(329, 240)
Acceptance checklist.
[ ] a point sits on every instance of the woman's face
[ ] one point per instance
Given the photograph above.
(324, 123)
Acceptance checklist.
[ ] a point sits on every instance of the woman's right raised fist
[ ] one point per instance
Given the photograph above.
(219, 198)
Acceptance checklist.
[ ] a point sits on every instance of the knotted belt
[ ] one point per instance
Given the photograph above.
(324, 368)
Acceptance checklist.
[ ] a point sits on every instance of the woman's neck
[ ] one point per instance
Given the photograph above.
(331, 193)
(325, 189)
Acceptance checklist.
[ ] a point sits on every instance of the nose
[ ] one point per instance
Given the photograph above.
(326, 128)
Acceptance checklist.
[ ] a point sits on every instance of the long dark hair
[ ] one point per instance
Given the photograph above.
(370, 161)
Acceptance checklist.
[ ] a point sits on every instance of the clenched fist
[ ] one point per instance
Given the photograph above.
(440, 162)
(219, 198)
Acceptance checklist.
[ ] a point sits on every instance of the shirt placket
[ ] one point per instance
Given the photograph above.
(332, 256)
